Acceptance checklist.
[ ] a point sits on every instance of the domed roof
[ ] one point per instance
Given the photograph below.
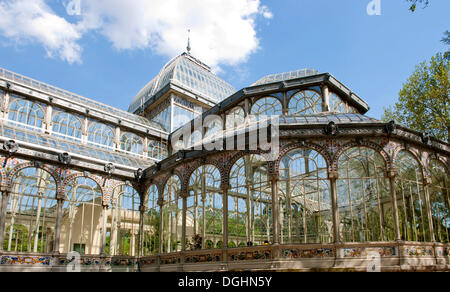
(190, 74)
(285, 76)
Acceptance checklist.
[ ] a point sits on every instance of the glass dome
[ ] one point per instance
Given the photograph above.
(188, 73)
(285, 76)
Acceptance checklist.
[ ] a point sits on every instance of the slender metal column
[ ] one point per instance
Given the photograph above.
(392, 174)
(59, 214)
(142, 210)
(161, 224)
(225, 221)
(426, 182)
(275, 211)
(3, 209)
(333, 176)
(104, 216)
(183, 226)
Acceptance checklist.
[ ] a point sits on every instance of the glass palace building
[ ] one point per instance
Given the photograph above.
(343, 191)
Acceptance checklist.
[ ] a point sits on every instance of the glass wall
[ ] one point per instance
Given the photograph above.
(305, 102)
(82, 221)
(101, 135)
(305, 200)
(124, 221)
(410, 194)
(26, 113)
(204, 217)
(440, 201)
(172, 216)
(267, 106)
(249, 203)
(31, 213)
(364, 200)
(66, 125)
(151, 223)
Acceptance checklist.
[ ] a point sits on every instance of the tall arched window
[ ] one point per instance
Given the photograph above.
(67, 125)
(26, 113)
(305, 200)
(172, 216)
(305, 102)
(124, 221)
(131, 143)
(101, 135)
(267, 106)
(337, 105)
(157, 150)
(151, 223)
(204, 217)
(364, 201)
(440, 201)
(31, 213)
(235, 118)
(249, 203)
(82, 222)
(410, 193)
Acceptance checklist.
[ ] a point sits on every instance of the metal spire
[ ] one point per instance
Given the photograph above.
(189, 42)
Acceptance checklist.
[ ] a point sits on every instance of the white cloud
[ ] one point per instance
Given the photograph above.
(222, 31)
(34, 20)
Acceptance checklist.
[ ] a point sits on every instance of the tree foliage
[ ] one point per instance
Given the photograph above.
(414, 4)
(423, 103)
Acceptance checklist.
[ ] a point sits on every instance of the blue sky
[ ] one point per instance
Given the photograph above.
(372, 55)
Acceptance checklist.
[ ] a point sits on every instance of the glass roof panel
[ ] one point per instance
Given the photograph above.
(285, 76)
(12, 132)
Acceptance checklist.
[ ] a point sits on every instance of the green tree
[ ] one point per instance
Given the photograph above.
(423, 103)
(446, 40)
(414, 4)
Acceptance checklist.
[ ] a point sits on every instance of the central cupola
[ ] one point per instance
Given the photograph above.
(184, 88)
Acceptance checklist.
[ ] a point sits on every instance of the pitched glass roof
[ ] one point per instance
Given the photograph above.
(21, 134)
(72, 97)
(325, 118)
(285, 76)
(188, 73)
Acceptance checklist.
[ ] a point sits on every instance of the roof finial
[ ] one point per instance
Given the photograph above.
(189, 42)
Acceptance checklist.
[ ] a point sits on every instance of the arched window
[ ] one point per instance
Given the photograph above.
(410, 194)
(124, 221)
(305, 102)
(151, 223)
(101, 135)
(440, 201)
(364, 201)
(172, 216)
(26, 113)
(267, 106)
(204, 217)
(31, 213)
(236, 118)
(131, 143)
(305, 199)
(337, 105)
(82, 222)
(157, 150)
(249, 202)
(66, 125)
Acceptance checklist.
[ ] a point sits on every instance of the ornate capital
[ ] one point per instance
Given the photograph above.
(392, 173)
(333, 174)
(427, 180)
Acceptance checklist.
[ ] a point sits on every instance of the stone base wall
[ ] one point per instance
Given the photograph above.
(367, 257)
